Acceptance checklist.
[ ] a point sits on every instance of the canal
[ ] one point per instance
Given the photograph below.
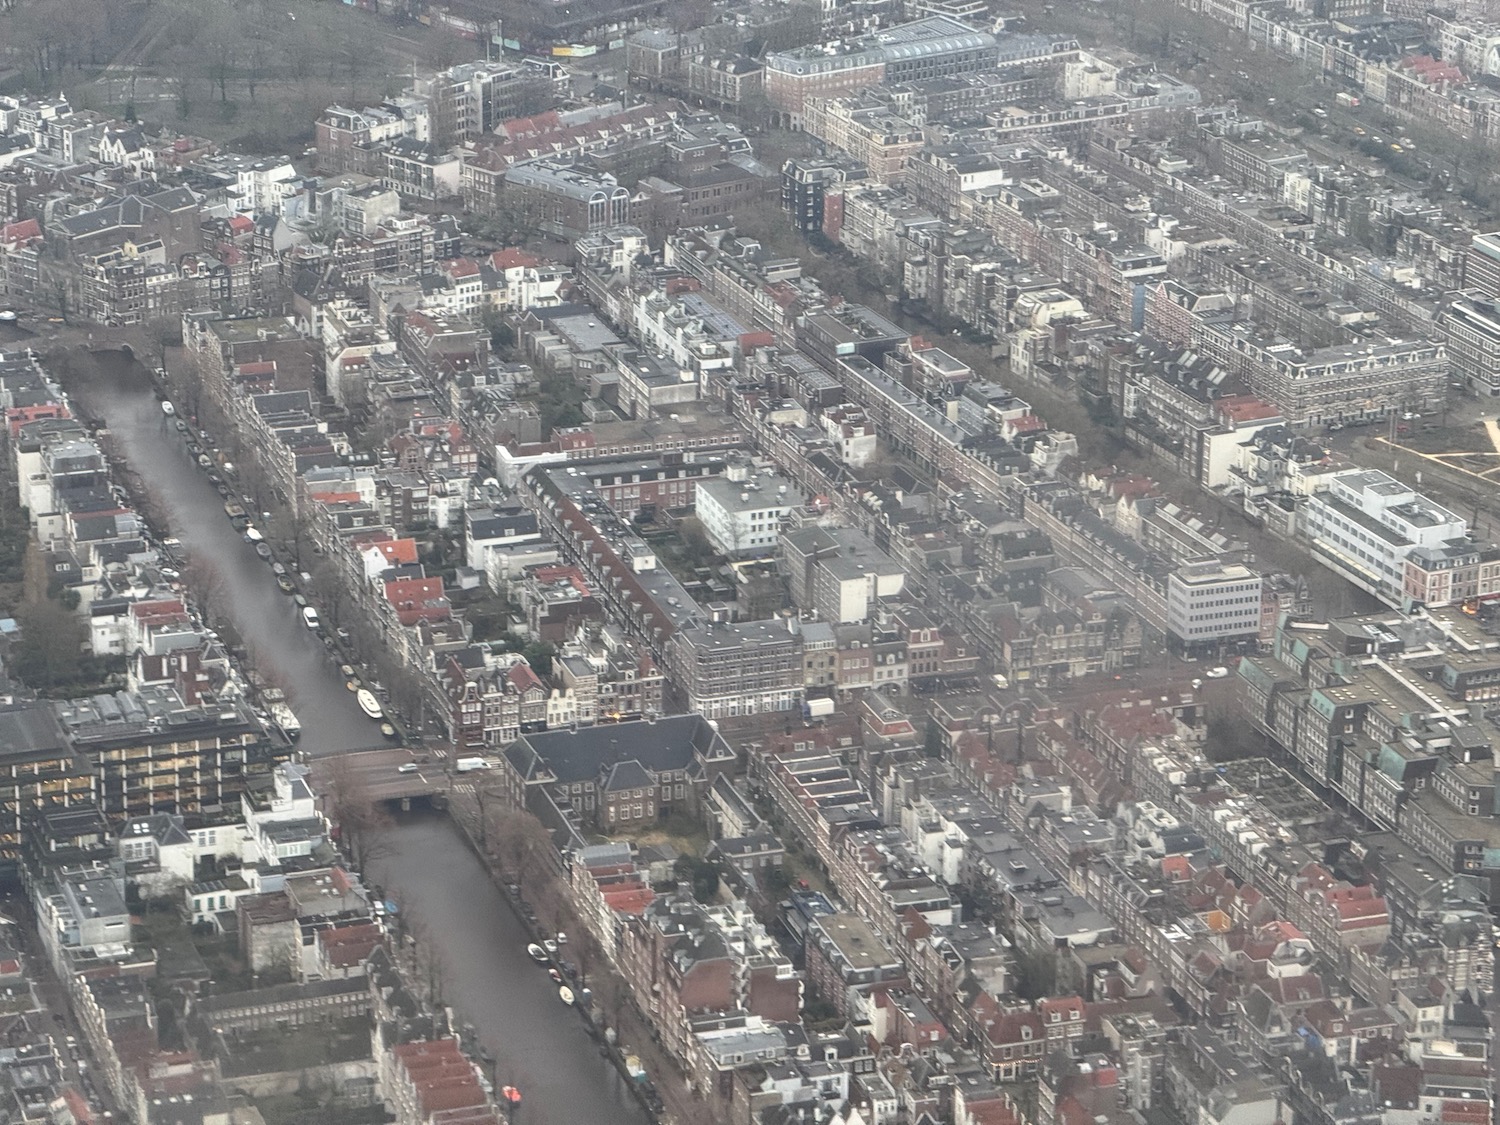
(540, 1047)
(265, 619)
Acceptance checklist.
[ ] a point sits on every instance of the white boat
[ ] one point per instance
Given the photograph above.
(168, 409)
(286, 721)
(537, 953)
(565, 994)
(369, 704)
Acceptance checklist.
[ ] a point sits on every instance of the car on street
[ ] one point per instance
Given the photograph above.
(409, 767)
(285, 584)
(309, 617)
(263, 550)
(1217, 673)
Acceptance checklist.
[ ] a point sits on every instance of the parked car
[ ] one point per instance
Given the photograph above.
(309, 617)
(1217, 673)
(263, 550)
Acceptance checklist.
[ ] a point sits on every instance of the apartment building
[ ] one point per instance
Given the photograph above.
(1366, 524)
(39, 770)
(880, 140)
(722, 670)
(153, 751)
(1212, 604)
(1471, 330)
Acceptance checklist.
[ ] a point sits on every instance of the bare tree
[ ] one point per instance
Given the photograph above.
(207, 588)
(362, 821)
(522, 845)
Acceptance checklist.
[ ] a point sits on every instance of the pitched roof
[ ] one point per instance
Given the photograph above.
(660, 745)
(628, 775)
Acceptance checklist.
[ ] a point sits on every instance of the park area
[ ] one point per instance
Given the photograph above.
(253, 74)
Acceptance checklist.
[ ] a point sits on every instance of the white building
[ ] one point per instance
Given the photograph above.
(350, 337)
(687, 330)
(1212, 602)
(1366, 523)
(262, 185)
(852, 433)
(742, 511)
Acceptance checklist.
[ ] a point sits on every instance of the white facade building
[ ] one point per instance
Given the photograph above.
(1211, 602)
(742, 512)
(1366, 523)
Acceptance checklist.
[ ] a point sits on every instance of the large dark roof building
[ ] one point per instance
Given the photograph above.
(616, 772)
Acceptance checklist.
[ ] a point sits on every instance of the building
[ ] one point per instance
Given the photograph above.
(742, 512)
(567, 202)
(1366, 524)
(840, 572)
(685, 961)
(1482, 265)
(847, 961)
(81, 912)
(470, 99)
(616, 773)
(38, 770)
(151, 750)
(1471, 329)
(746, 668)
(935, 47)
(1211, 604)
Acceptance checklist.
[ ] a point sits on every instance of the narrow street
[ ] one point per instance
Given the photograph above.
(266, 620)
(539, 1044)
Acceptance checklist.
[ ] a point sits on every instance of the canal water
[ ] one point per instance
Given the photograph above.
(540, 1046)
(266, 620)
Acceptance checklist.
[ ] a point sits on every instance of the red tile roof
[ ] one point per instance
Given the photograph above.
(513, 257)
(397, 552)
(26, 230)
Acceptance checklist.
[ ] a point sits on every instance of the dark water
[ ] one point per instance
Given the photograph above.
(266, 620)
(540, 1046)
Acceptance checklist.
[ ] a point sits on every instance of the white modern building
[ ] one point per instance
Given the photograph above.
(1212, 603)
(1366, 523)
(742, 511)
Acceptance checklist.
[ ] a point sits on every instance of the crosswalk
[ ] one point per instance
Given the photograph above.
(465, 787)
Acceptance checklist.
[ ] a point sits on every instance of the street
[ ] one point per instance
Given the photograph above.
(539, 1045)
(266, 619)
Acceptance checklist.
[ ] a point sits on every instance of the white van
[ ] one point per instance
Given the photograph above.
(310, 617)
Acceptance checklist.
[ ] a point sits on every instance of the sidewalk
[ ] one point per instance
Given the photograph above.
(632, 1029)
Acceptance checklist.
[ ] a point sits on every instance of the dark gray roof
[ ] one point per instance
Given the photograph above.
(660, 745)
(628, 775)
(753, 844)
(29, 728)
